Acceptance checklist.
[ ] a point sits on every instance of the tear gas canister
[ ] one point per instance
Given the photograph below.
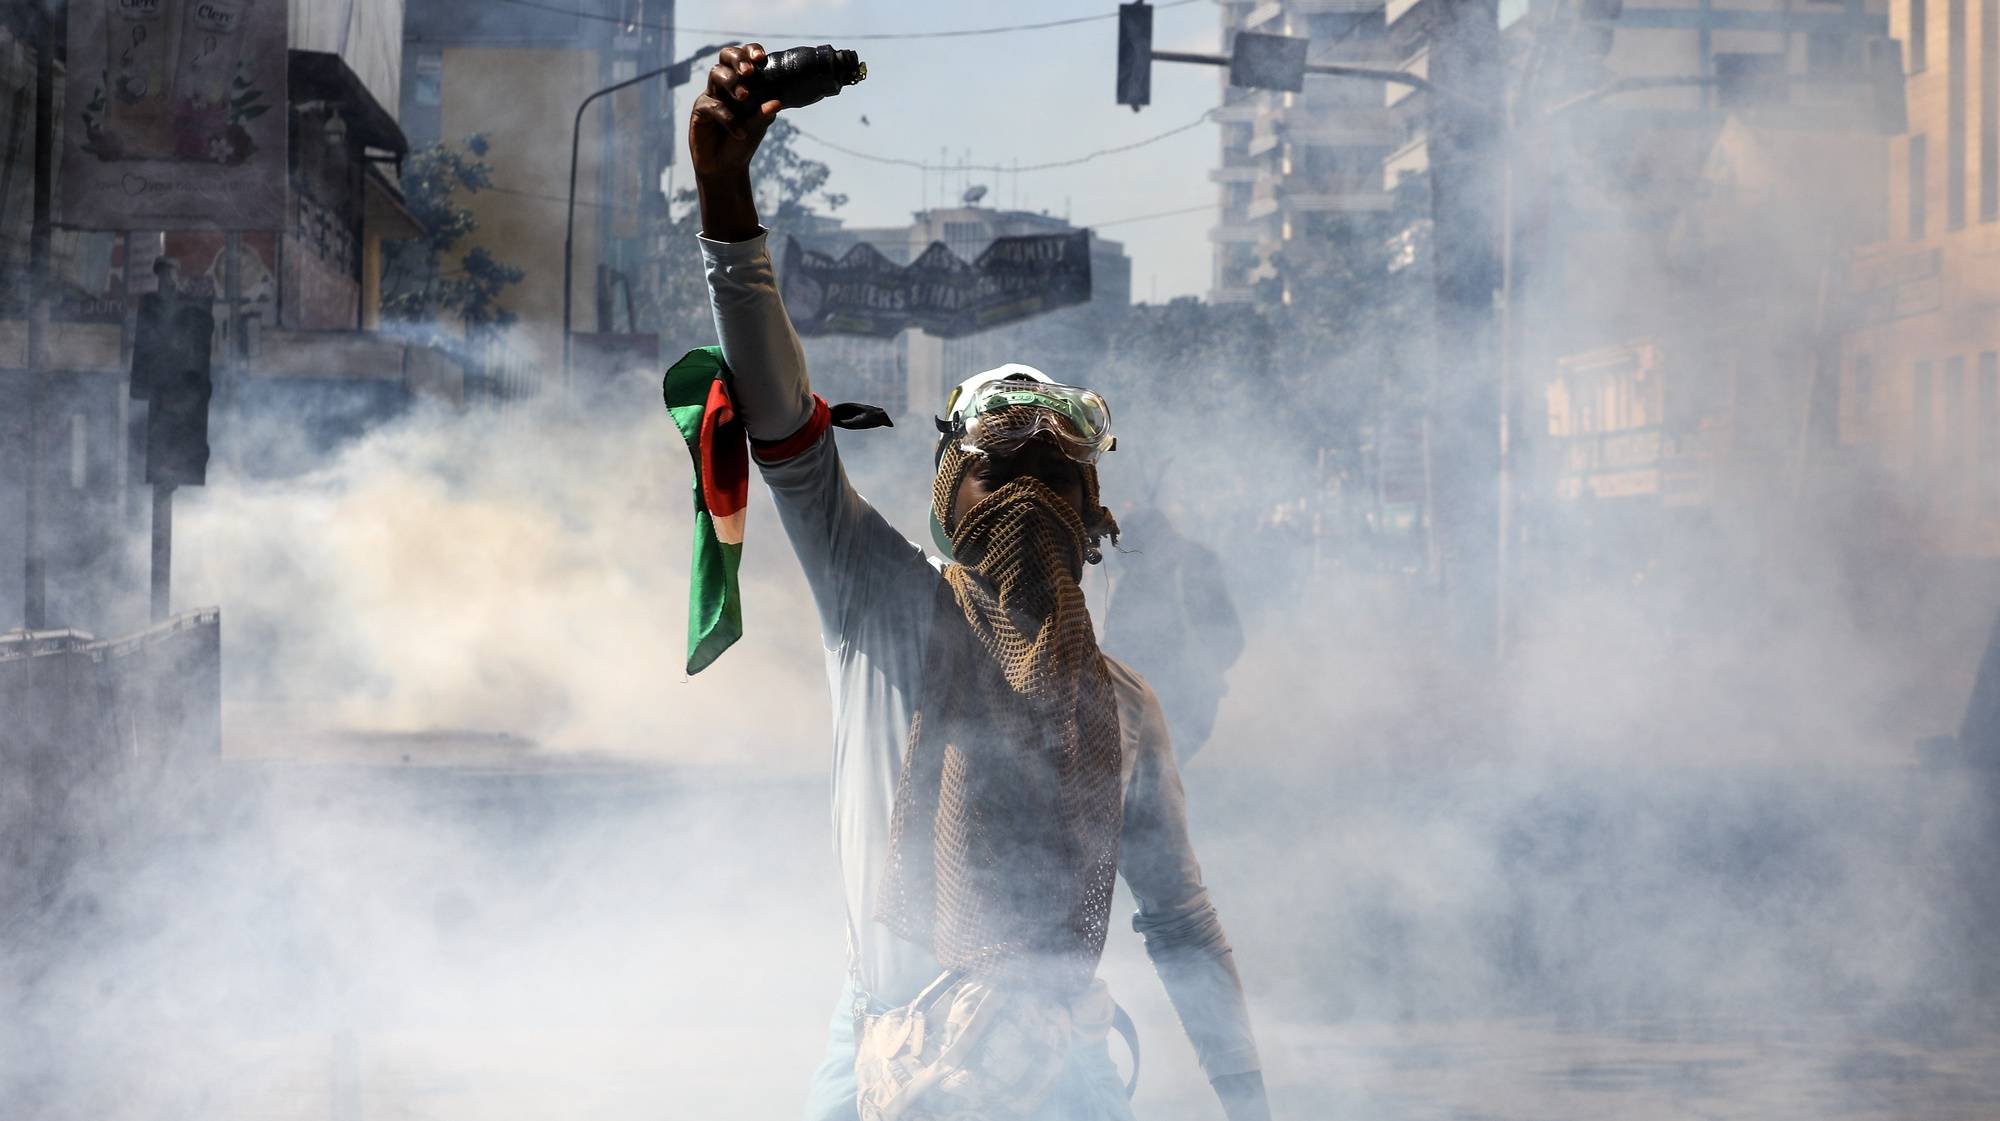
(800, 76)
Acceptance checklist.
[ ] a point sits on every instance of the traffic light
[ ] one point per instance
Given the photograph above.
(1135, 54)
(170, 371)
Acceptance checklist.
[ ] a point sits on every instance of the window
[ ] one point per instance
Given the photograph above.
(1989, 110)
(1919, 185)
(1919, 27)
(79, 451)
(1832, 54)
(1952, 490)
(1954, 115)
(429, 86)
(1920, 424)
(1862, 423)
(1985, 460)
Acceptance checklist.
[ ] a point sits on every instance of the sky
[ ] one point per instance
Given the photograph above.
(1026, 96)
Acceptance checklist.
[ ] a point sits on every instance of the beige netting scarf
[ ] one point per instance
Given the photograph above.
(1003, 846)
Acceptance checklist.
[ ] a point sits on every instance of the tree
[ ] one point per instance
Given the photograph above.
(421, 282)
(791, 193)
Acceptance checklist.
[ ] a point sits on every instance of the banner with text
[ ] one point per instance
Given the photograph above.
(864, 293)
(175, 115)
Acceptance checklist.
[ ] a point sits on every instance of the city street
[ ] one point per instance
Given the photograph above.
(591, 941)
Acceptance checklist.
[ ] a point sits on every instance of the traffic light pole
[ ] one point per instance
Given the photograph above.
(679, 72)
(163, 550)
(34, 582)
(1329, 69)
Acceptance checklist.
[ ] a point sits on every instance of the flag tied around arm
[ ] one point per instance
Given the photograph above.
(696, 389)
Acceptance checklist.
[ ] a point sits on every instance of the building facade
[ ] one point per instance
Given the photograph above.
(1676, 251)
(296, 366)
(1296, 167)
(517, 75)
(1920, 379)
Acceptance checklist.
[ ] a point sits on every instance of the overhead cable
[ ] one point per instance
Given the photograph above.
(847, 36)
(1050, 165)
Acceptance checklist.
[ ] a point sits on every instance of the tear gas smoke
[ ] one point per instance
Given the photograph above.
(476, 849)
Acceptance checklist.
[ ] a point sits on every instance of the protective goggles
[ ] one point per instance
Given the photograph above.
(992, 422)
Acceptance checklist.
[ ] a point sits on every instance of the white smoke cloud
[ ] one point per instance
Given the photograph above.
(522, 573)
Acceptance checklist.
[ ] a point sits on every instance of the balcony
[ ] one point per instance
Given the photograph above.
(1419, 64)
(1240, 113)
(357, 356)
(1395, 10)
(1263, 14)
(1354, 128)
(1235, 173)
(1349, 202)
(1237, 233)
(1413, 158)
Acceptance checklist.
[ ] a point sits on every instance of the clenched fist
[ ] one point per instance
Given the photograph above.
(719, 145)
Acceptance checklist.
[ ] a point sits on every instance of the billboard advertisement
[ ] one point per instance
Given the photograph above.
(174, 115)
(864, 293)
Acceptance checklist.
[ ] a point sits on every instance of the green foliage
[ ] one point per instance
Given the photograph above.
(421, 283)
(787, 182)
(791, 192)
(246, 102)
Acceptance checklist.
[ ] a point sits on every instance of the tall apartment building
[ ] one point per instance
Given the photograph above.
(1295, 166)
(1920, 384)
(1671, 241)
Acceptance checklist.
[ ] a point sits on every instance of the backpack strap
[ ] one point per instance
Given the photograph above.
(1122, 1020)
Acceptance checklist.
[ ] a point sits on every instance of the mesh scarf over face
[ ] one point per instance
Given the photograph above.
(1003, 846)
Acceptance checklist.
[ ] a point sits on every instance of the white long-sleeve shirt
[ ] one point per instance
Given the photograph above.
(875, 592)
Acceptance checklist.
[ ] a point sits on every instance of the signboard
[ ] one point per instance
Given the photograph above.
(864, 293)
(1268, 62)
(1890, 287)
(174, 115)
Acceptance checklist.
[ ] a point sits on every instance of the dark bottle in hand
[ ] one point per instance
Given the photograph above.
(799, 77)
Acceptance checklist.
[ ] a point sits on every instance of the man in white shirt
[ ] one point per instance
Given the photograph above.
(990, 767)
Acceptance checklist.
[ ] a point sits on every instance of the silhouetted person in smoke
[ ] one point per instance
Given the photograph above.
(1171, 618)
(993, 770)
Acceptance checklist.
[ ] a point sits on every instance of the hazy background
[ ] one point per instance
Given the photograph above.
(476, 847)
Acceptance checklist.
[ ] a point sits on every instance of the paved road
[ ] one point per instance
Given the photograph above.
(354, 944)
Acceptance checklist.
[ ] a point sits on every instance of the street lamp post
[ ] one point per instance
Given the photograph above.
(681, 70)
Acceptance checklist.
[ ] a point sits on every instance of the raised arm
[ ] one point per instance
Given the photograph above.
(757, 338)
(853, 558)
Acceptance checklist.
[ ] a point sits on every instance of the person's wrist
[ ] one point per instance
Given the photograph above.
(722, 177)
